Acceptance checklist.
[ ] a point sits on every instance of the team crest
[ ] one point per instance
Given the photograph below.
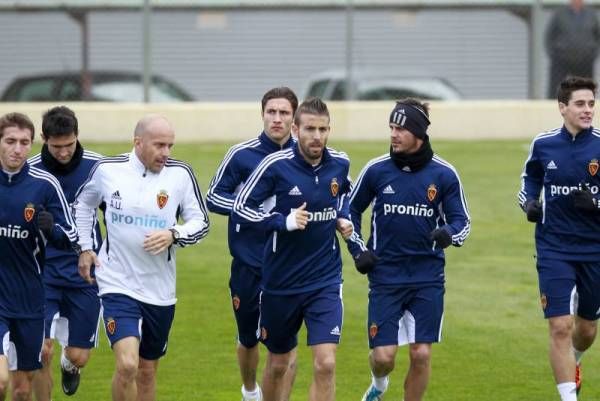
(162, 198)
(236, 302)
(111, 326)
(544, 301)
(263, 333)
(431, 192)
(28, 212)
(593, 166)
(373, 330)
(334, 186)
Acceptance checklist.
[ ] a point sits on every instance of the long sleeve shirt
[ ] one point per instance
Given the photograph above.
(406, 207)
(558, 163)
(301, 260)
(22, 245)
(139, 202)
(61, 264)
(246, 242)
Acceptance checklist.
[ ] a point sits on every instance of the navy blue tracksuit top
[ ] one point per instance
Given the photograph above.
(407, 207)
(557, 164)
(22, 245)
(61, 265)
(303, 260)
(246, 242)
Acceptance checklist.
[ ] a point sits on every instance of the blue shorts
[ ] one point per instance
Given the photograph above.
(400, 316)
(569, 287)
(127, 317)
(22, 341)
(73, 315)
(244, 288)
(281, 317)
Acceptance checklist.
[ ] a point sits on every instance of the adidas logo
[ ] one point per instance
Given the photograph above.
(389, 190)
(115, 200)
(295, 191)
(335, 331)
(551, 165)
(407, 169)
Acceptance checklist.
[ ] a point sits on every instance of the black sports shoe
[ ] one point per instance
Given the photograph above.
(70, 380)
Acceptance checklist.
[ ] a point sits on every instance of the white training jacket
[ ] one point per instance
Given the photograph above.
(139, 202)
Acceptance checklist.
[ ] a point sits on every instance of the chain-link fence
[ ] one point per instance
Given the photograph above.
(235, 54)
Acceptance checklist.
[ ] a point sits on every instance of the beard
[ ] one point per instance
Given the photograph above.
(311, 151)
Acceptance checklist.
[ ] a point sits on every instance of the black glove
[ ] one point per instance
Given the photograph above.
(533, 209)
(584, 201)
(442, 238)
(365, 261)
(45, 222)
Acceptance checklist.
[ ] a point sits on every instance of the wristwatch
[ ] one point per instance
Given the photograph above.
(77, 248)
(174, 234)
(79, 251)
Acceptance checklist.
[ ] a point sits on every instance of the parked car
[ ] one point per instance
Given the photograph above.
(105, 86)
(376, 85)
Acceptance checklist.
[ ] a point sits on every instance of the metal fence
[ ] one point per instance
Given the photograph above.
(236, 53)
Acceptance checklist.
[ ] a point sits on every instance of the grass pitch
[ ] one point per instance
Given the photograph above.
(495, 340)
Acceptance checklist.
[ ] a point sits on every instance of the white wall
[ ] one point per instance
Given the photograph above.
(229, 122)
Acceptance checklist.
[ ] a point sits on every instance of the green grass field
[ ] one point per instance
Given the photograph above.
(495, 340)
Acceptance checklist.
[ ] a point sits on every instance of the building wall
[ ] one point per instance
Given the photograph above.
(235, 55)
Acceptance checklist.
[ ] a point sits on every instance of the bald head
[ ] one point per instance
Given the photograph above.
(153, 139)
(151, 123)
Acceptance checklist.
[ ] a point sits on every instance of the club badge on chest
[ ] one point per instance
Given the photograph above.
(334, 187)
(162, 198)
(431, 192)
(593, 167)
(28, 212)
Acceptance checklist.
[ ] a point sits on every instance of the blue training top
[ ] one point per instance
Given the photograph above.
(61, 265)
(301, 260)
(246, 243)
(22, 245)
(557, 164)
(407, 207)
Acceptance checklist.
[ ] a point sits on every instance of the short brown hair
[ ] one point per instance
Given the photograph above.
(312, 105)
(571, 84)
(282, 92)
(19, 120)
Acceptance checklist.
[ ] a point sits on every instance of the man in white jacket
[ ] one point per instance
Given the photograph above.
(146, 193)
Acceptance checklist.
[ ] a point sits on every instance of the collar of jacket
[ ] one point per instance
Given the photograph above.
(56, 167)
(274, 146)
(5, 180)
(581, 135)
(138, 166)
